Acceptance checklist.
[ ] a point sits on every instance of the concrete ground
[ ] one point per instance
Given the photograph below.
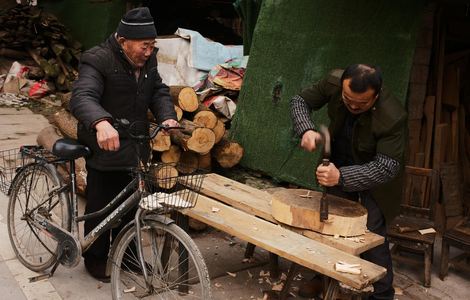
(231, 278)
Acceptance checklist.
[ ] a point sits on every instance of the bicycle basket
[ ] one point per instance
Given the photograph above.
(13, 159)
(10, 160)
(171, 187)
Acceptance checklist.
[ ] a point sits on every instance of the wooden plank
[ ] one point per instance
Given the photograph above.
(283, 242)
(258, 203)
(239, 195)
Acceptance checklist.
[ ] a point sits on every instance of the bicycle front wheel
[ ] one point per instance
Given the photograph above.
(32, 193)
(175, 266)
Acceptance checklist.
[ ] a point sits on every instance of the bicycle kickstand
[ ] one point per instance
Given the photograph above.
(47, 275)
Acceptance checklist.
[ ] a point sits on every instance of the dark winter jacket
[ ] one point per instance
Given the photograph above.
(107, 89)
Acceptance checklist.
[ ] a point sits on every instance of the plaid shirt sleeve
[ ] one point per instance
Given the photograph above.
(358, 178)
(300, 115)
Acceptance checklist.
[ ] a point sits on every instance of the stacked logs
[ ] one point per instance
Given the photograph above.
(203, 138)
(29, 31)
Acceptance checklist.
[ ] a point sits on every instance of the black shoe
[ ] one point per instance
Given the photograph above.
(97, 269)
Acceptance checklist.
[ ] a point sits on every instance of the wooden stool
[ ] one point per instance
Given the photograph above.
(458, 237)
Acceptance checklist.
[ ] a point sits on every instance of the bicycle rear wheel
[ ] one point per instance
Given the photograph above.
(30, 195)
(174, 264)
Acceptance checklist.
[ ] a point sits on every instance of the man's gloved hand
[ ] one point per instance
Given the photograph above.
(107, 136)
(328, 175)
(309, 140)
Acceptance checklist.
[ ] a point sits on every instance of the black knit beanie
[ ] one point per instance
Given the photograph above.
(137, 24)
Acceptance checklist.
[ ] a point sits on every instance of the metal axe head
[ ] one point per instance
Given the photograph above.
(326, 141)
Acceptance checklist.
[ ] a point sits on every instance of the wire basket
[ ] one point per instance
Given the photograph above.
(170, 187)
(12, 160)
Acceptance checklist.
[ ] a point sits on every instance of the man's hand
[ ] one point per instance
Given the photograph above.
(327, 175)
(106, 136)
(309, 140)
(170, 123)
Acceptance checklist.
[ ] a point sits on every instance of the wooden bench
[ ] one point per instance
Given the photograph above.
(249, 219)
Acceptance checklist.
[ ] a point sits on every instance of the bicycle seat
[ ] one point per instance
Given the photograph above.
(70, 149)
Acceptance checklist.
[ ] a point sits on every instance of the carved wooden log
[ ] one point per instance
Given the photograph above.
(227, 153)
(185, 97)
(301, 208)
(161, 142)
(66, 123)
(171, 155)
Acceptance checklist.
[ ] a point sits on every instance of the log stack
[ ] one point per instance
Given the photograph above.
(203, 140)
(27, 31)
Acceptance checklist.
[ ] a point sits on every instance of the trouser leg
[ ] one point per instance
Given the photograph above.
(380, 255)
(102, 187)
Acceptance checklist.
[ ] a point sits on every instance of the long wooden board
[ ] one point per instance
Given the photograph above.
(258, 203)
(283, 242)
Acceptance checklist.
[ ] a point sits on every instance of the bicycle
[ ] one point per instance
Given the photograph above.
(151, 255)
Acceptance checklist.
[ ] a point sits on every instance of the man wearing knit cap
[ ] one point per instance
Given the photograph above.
(117, 79)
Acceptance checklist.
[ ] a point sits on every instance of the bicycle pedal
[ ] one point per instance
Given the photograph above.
(40, 277)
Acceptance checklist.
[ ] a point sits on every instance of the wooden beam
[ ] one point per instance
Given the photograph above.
(283, 242)
(258, 203)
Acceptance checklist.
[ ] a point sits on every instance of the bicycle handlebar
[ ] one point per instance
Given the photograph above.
(125, 124)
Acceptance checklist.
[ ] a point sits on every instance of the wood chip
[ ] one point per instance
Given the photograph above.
(278, 287)
(217, 285)
(306, 195)
(232, 274)
(262, 273)
(427, 231)
(215, 209)
(129, 290)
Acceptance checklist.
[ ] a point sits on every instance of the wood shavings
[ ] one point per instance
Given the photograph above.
(427, 231)
(306, 195)
(344, 267)
(278, 287)
(248, 260)
(217, 285)
(250, 274)
(215, 209)
(262, 273)
(129, 290)
(232, 274)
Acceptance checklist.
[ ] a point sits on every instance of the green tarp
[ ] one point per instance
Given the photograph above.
(297, 42)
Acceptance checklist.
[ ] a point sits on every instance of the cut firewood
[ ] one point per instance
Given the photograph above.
(205, 117)
(66, 123)
(179, 113)
(201, 141)
(65, 99)
(161, 142)
(219, 131)
(227, 153)
(205, 161)
(171, 155)
(165, 175)
(185, 97)
(189, 126)
(188, 162)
